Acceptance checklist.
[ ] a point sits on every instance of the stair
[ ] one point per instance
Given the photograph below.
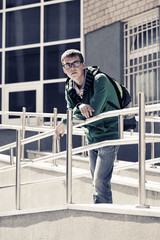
(44, 184)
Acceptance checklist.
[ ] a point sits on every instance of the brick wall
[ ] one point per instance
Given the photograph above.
(100, 13)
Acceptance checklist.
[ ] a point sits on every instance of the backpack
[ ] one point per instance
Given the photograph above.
(124, 99)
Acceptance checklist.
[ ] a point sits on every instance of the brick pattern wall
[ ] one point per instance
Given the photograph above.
(100, 13)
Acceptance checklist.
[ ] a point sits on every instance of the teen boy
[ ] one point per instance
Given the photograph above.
(87, 93)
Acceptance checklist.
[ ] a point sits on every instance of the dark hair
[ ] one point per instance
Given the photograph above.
(72, 53)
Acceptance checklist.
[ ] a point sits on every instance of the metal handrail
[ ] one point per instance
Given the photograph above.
(134, 139)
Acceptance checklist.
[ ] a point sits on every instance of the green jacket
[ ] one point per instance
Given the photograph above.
(97, 91)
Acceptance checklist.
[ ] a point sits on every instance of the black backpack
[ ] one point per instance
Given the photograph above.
(124, 101)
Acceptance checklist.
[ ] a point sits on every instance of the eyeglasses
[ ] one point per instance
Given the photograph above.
(75, 64)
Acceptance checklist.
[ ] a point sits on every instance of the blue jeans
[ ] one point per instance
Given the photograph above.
(101, 167)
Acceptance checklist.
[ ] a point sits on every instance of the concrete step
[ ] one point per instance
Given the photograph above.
(37, 193)
(120, 167)
(43, 184)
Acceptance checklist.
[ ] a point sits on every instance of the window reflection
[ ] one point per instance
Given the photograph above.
(54, 97)
(22, 65)
(0, 30)
(23, 27)
(0, 68)
(13, 3)
(52, 60)
(62, 21)
(18, 100)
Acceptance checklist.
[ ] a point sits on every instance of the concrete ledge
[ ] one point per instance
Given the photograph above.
(101, 208)
(118, 209)
(79, 222)
(33, 211)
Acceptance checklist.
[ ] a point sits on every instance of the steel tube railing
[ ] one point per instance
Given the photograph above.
(141, 141)
(18, 170)
(69, 158)
(23, 119)
(54, 140)
(141, 152)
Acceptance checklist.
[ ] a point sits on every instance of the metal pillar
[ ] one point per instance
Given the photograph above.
(54, 141)
(120, 126)
(69, 158)
(141, 153)
(23, 129)
(18, 170)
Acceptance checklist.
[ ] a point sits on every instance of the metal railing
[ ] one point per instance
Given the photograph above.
(140, 138)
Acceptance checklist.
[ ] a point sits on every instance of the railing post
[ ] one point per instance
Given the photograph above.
(54, 141)
(18, 169)
(23, 129)
(152, 145)
(120, 126)
(11, 156)
(84, 154)
(141, 153)
(69, 158)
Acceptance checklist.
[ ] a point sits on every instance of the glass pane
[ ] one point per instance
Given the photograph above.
(23, 27)
(52, 60)
(22, 65)
(18, 100)
(54, 97)
(0, 68)
(0, 99)
(0, 103)
(0, 30)
(62, 21)
(13, 3)
(1, 1)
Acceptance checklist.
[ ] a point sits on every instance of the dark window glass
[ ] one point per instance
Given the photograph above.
(22, 65)
(62, 21)
(1, 4)
(18, 100)
(13, 3)
(0, 103)
(54, 97)
(23, 27)
(0, 68)
(52, 60)
(0, 30)
(0, 99)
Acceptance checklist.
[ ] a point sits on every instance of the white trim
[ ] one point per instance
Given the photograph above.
(34, 5)
(36, 45)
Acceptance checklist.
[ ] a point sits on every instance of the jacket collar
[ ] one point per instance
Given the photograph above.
(90, 74)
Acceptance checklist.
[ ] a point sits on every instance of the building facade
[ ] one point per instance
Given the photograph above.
(120, 36)
(123, 38)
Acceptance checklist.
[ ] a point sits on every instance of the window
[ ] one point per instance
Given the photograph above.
(18, 100)
(23, 27)
(54, 91)
(62, 21)
(22, 65)
(35, 34)
(0, 30)
(142, 57)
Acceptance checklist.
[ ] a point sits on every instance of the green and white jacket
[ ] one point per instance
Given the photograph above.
(97, 91)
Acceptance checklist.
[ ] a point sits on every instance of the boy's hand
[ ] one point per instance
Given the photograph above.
(60, 129)
(86, 110)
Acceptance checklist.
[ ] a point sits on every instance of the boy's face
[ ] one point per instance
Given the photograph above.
(76, 69)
